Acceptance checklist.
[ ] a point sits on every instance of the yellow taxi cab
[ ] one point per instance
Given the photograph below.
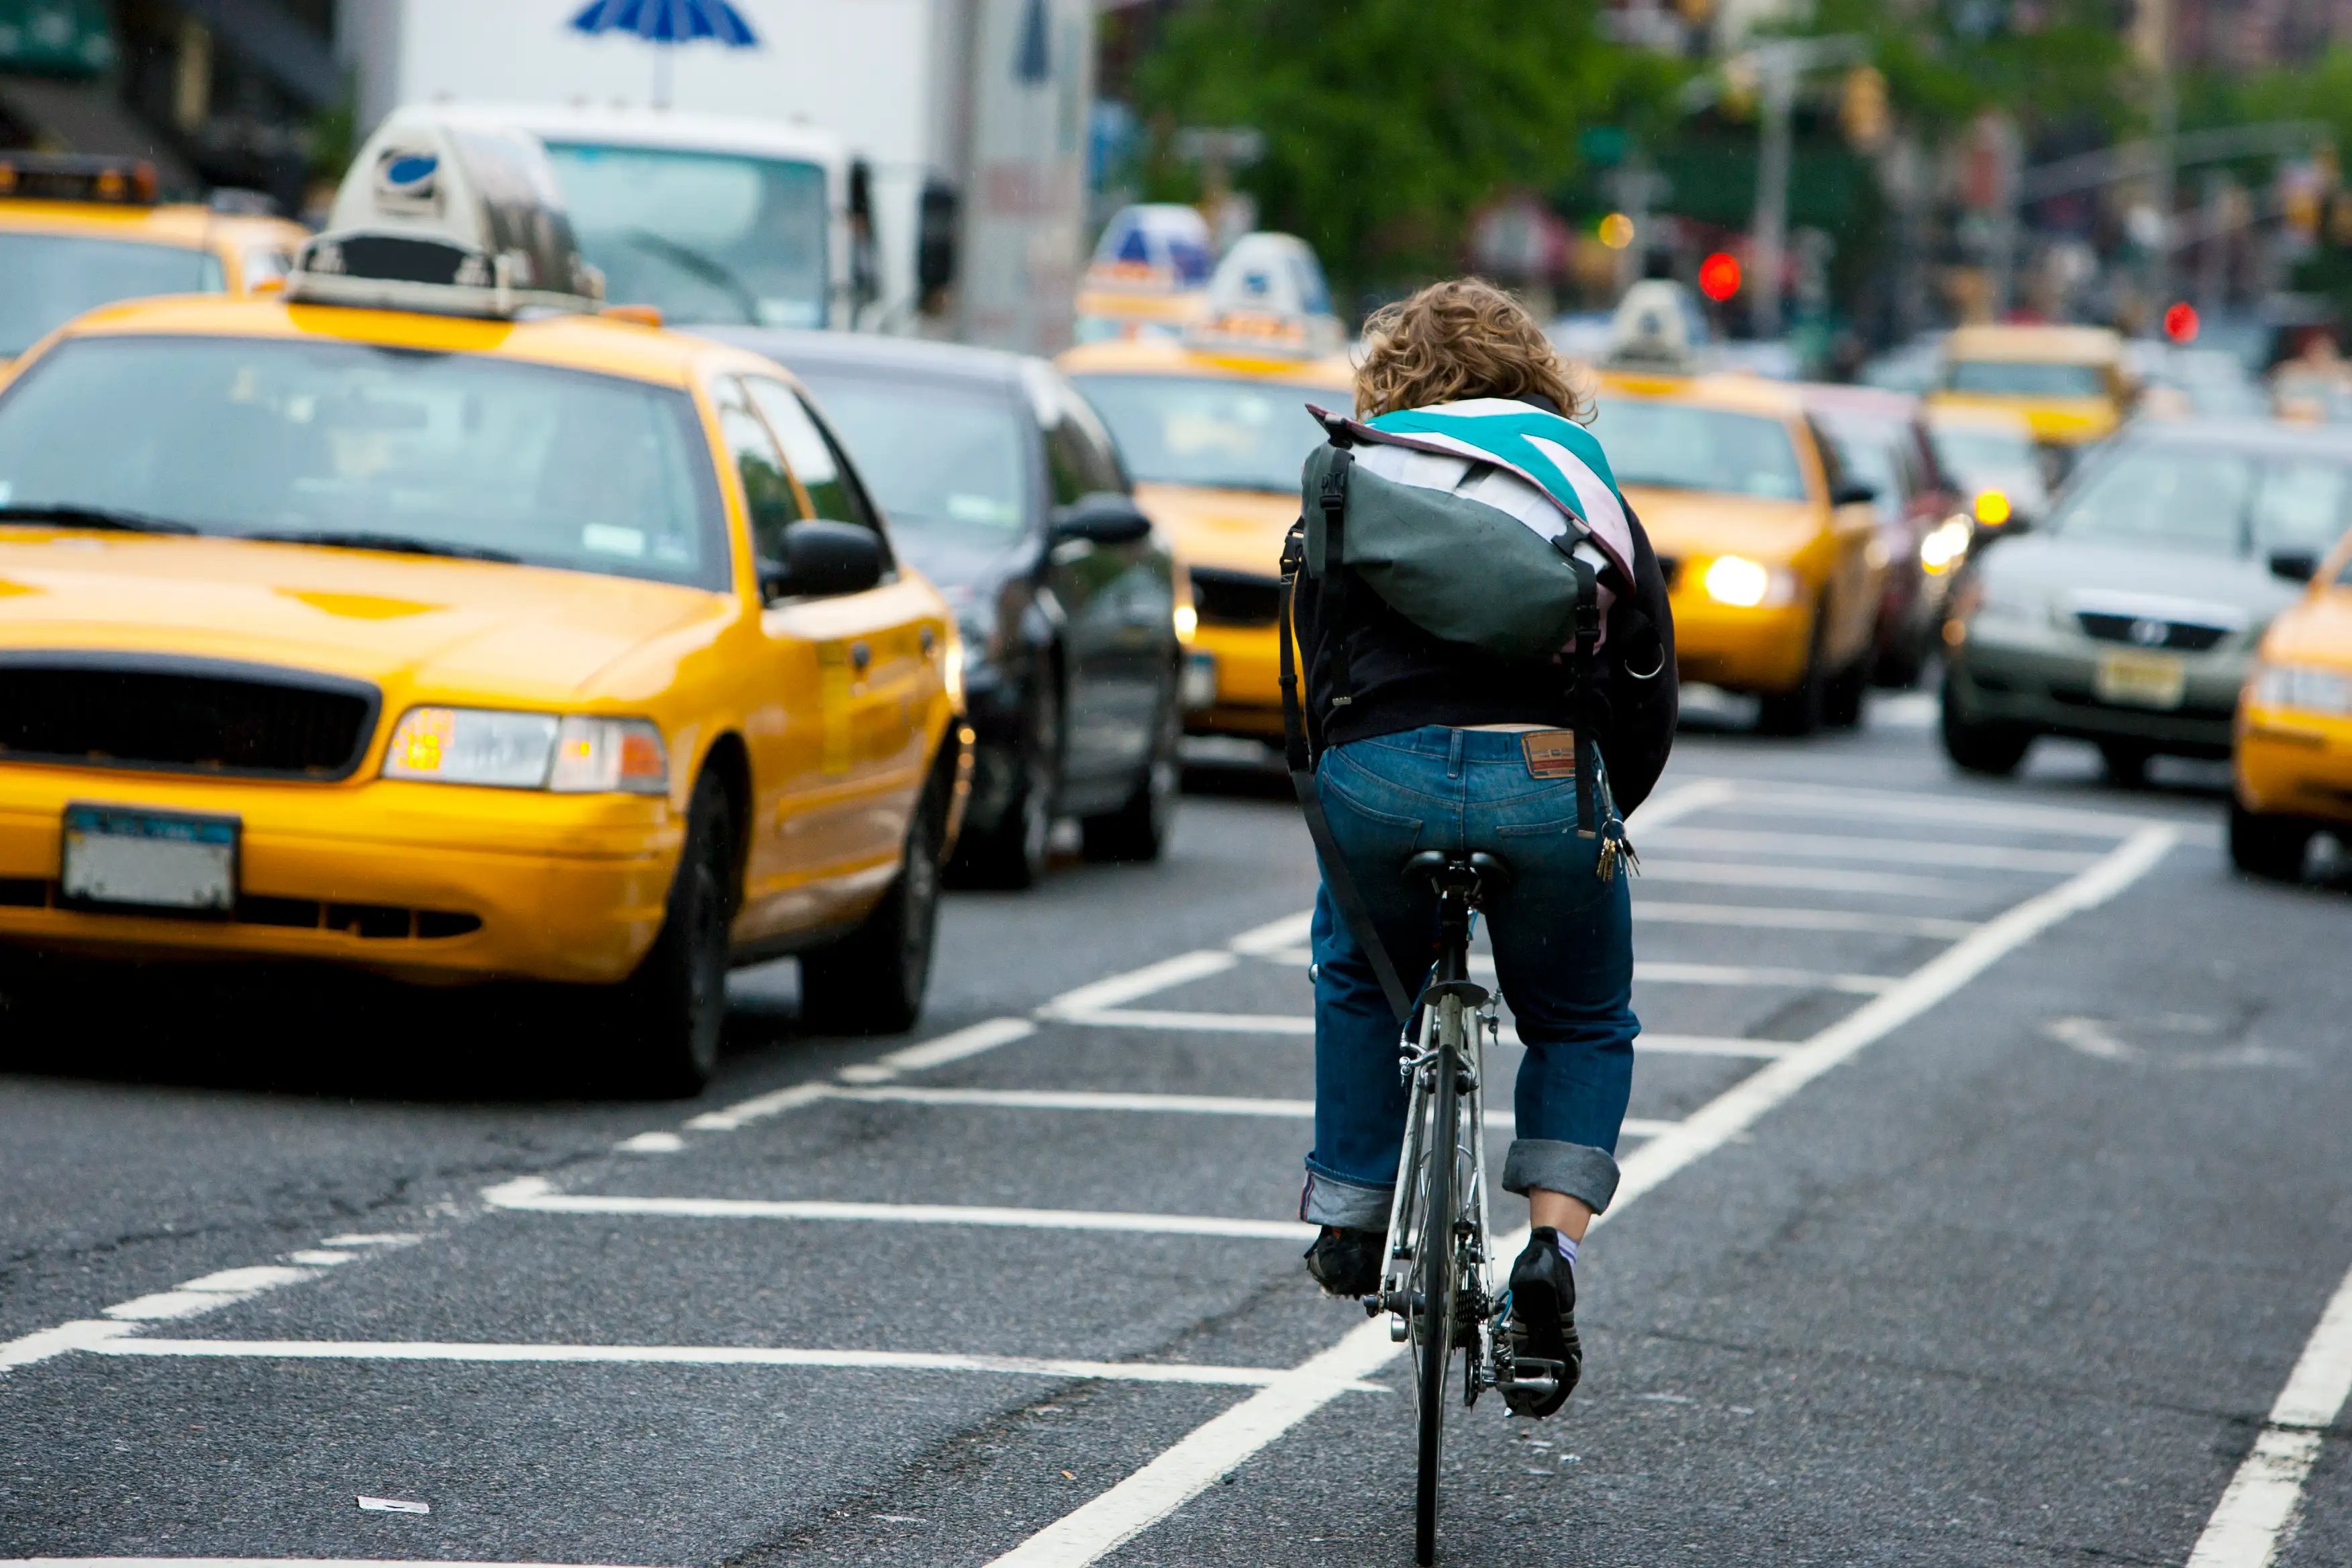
(1214, 431)
(79, 232)
(426, 622)
(1148, 276)
(2070, 383)
(2293, 756)
(1772, 555)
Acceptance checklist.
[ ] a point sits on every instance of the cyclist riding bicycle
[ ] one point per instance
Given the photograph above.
(1438, 745)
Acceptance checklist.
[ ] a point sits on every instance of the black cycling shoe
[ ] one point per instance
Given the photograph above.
(1347, 1262)
(1543, 1321)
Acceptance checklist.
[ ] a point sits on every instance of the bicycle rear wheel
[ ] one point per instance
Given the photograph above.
(1433, 1331)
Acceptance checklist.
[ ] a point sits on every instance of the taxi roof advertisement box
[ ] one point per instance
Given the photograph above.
(989, 95)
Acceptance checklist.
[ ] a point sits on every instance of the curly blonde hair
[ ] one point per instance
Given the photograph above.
(1457, 339)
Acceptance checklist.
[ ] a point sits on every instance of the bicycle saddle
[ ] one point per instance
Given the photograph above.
(1472, 875)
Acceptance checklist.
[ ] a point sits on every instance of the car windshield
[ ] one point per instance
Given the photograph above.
(2027, 378)
(53, 278)
(1200, 430)
(320, 441)
(2207, 502)
(707, 237)
(937, 454)
(1676, 445)
(1868, 456)
(1986, 458)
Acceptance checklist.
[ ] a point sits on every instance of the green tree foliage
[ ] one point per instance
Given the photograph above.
(1388, 123)
(2072, 63)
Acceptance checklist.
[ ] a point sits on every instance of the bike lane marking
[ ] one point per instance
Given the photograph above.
(2259, 1508)
(1195, 1463)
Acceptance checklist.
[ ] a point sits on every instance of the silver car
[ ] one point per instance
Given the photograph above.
(2129, 617)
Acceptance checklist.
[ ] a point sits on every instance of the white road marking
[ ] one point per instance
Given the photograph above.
(266, 1562)
(47, 1342)
(1288, 932)
(318, 1257)
(651, 1143)
(1765, 917)
(759, 1108)
(1670, 973)
(1889, 851)
(1196, 1023)
(1683, 800)
(1810, 879)
(971, 1041)
(374, 1239)
(1181, 1472)
(536, 1196)
(1841, 803)
(1180, 970)
(2258, 1510)
(710, 1355)
(1148, 1104)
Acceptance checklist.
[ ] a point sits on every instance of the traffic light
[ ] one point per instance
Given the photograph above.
(1718, 276)
(1862, 107)
(2181, 321)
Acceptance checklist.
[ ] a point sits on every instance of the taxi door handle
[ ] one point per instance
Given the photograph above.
(860, 656)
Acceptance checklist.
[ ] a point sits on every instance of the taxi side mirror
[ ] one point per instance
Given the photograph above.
(1106, 517)
(1853, 492)
(2294, 565)
(821, 559)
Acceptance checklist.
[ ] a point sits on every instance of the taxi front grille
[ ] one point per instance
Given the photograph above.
(1236, 598)
(175, 715)
(369, 923)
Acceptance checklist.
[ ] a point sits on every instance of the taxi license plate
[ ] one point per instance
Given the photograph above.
(1198, 689)
(120, 858)
(2141, 679)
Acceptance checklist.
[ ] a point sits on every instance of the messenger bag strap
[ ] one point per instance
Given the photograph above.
(1300, 760)
(1587, 648)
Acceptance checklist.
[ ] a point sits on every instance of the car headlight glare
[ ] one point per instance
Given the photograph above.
(1188, 621)
(2308, 687)
(1944, 547)
(528, 750)
(1992, 508)
(1735, 579)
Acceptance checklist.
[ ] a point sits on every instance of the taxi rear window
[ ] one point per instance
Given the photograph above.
(316, 441)
(53, 278)
(1681, 446)
(2027, 378)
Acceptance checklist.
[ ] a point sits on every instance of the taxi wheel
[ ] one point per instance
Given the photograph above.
(1800, 710)
(1845, 694)
(674, 1007)
(1138, 830)
(2126, 763)
(1011, 851)
(2271, 847)
(872, 980)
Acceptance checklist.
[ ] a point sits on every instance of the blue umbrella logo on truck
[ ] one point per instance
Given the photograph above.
(665, 24)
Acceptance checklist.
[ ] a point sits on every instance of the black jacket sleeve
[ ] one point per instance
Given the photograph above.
(1642, 699)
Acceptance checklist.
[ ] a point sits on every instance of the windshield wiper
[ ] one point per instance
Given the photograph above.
(95, 517)
(694, 263)
(390, 544)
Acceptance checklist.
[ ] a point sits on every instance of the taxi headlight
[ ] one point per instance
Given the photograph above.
(573, 755)
(1743, 583)
(1188, 621)
(2308, 688)
(1942, 549)
(1992, 508)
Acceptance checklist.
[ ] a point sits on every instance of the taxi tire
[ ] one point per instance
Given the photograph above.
(2270, 847)
(872, 980)
(673, 1010)
(1138, 831)
(1846, 695)
(1799, 711)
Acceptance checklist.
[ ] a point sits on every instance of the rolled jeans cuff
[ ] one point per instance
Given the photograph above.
(1328, 1200)
(1579, 1170)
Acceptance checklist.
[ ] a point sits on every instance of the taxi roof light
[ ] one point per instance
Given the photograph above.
(448, 219)
(78, 177)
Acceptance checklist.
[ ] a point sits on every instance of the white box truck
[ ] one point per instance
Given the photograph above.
(904, 165)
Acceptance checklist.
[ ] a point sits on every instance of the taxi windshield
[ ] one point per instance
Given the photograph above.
(53, 278)
(318, 442)
(1216, 433)
(2027, 378)
(709, 237)
(1681, 446)
(937, 454)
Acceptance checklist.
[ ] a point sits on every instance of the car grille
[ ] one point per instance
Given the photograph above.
(1236, 598)
(175, 715)
(372, 922)
(2144, 631)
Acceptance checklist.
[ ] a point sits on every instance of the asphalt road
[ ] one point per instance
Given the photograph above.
(1990, 1183)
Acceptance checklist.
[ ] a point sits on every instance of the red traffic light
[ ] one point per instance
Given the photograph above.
(1718, 276)
(2180, 323)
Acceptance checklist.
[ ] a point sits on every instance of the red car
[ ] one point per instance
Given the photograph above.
(1881, 439)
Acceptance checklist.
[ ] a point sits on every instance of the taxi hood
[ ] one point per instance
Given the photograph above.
(1225, 531)
(1683, 523)
(462, 629)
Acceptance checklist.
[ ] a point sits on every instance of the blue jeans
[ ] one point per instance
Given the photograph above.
(1563, 952)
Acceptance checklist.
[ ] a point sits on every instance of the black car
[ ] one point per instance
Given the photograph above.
(1003, 488)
